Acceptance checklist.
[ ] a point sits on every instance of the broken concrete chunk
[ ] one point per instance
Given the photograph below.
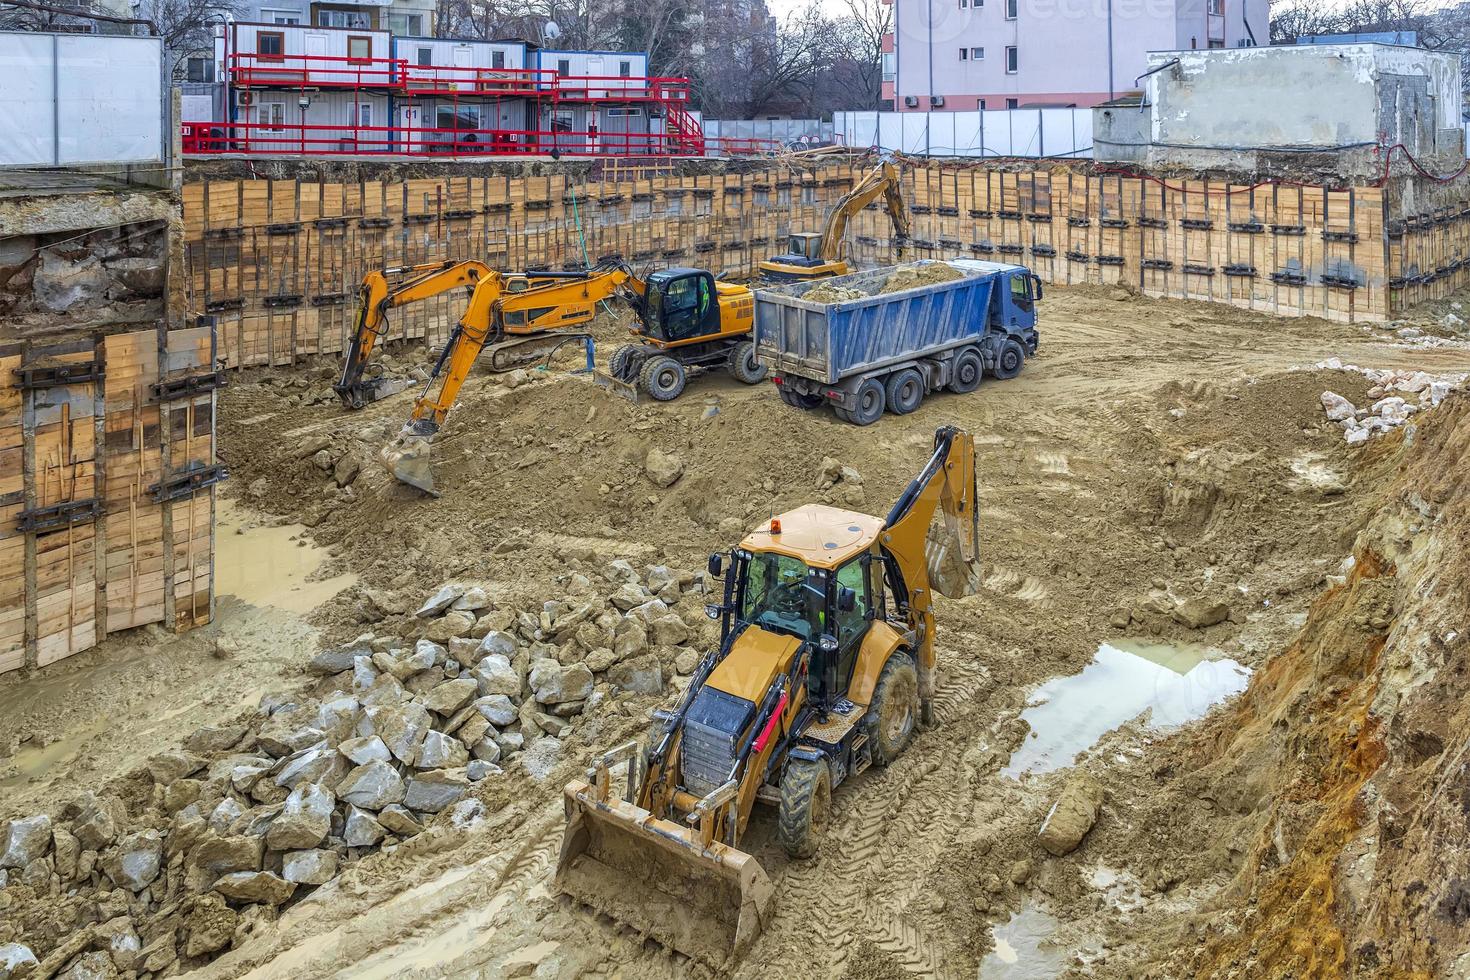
(214, 738)
(97, 823)
(664, 469)
(1072, 815)
(555, 684)
(497, 709)
(450, 696)
(217, 855)
(472, 600)
(430, 792)
(441, 751)
(17, 961)
(642, 675)
(319, 764)
(337, 659)
(255, 886)
(24, 841)
(362, 750)
(361, 828)
(402, 728)
(1200, 612)
(372, 786)
(440, 601)
(397, 818)
(135, 861)
(495, 675)
(304, 820)
(1338, 408)
(309, 867)
(168, 766)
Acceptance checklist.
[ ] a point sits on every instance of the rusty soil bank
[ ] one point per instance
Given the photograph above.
(1163, 481)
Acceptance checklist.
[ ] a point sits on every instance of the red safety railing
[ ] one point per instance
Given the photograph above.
(296, 139)
(249, 70)
(461, 81)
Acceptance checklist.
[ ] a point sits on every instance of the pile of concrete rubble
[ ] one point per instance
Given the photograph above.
(167, 867)
(1398, 396)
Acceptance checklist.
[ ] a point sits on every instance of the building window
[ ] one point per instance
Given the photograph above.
(563, 67)
(360, 115)
(964, 54)
(1011, 60)
(889, 64)
(964, 4)
(462, 118)
(273, 115)
(406, 25)
(1217, 42)
(199, 70)
(625, 69)
(561, 120)
(623, 112)
(1010, 9)
(497, 59)
(350, 19)
(270, 44)
(280, 16)
(977, 54)
(980, 104)
(1216, 7)
(1011, 103)
(426, 57)
(359, 48)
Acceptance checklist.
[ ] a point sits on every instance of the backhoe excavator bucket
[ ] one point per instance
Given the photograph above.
(407, 458)
(953, 557)
(653, 875)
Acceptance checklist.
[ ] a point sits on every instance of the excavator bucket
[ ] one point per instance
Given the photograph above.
(954, 570)
(407, 458)
(709, 902)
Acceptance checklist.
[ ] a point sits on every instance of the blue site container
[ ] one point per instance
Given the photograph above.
(886, 351)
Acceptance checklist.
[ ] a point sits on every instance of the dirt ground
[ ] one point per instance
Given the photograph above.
(1153, 452)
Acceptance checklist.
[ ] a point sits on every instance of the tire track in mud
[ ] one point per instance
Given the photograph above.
(886, 825)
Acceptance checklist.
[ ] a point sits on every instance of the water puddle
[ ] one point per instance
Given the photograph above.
(1174, 684)
(263, 566)
(31, 761)
(1023, 949)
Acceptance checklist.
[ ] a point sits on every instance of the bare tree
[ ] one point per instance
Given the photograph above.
(187, 26)
(862, 34)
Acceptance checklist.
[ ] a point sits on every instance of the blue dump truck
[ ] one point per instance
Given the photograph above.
(848, 343)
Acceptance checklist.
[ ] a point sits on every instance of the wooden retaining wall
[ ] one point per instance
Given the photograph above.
(106, 513)
(278, 261)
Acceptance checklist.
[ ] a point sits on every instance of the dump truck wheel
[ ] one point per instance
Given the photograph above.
(663, 378)
(904, 391)
(1012, 358)
(796, 399)
(623, 364)
(870, 403)
(894, 710)
(743, 365)
(806, 806)
(969, 368)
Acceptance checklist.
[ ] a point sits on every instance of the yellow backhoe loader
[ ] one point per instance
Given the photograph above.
(814, 255)
(825, 665)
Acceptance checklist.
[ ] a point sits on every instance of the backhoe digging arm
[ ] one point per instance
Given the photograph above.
(376, 296)
(926, 561)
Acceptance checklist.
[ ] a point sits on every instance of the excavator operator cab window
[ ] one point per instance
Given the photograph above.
(685, 305)
(782, 595)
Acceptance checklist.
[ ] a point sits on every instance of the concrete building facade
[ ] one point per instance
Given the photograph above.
(1007, 54)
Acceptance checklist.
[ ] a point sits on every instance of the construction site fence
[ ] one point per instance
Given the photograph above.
(1065, 133)
(107, 459)
(792, 134)
(278, 263)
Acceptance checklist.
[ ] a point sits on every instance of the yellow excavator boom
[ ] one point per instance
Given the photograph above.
(884, 180)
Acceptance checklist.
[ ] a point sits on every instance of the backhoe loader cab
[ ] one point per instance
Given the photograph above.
(680, 304)
(824, 667)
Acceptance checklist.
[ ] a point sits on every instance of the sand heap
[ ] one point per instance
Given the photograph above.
(901, 278)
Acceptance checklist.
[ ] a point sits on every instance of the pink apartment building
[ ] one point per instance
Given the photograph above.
(1008, 54)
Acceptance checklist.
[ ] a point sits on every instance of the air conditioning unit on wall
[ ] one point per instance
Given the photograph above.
(243, 98)
(912, 101)
(936, 101)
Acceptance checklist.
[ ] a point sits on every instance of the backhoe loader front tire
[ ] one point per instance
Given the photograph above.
(663, 378)
(806, 807)
(743, 364)
(894, 711)
(624, 362)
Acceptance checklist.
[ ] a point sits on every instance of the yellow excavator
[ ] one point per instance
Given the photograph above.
(815, 255)
(687, 316)
(824, 667)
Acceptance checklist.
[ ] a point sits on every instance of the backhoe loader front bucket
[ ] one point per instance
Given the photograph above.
(617, 386)
(407, 458)
(709, 902)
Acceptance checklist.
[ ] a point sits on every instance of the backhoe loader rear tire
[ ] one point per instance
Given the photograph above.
(806, 807)
(625, 362)
(663, 378)
(743, 364)
(894, 710)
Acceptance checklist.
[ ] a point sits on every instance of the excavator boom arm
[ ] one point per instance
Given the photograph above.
(881, 180)
(376, 296)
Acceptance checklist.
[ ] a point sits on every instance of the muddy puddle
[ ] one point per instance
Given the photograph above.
(1023, 948)
(1173, 683)
(270, 566)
